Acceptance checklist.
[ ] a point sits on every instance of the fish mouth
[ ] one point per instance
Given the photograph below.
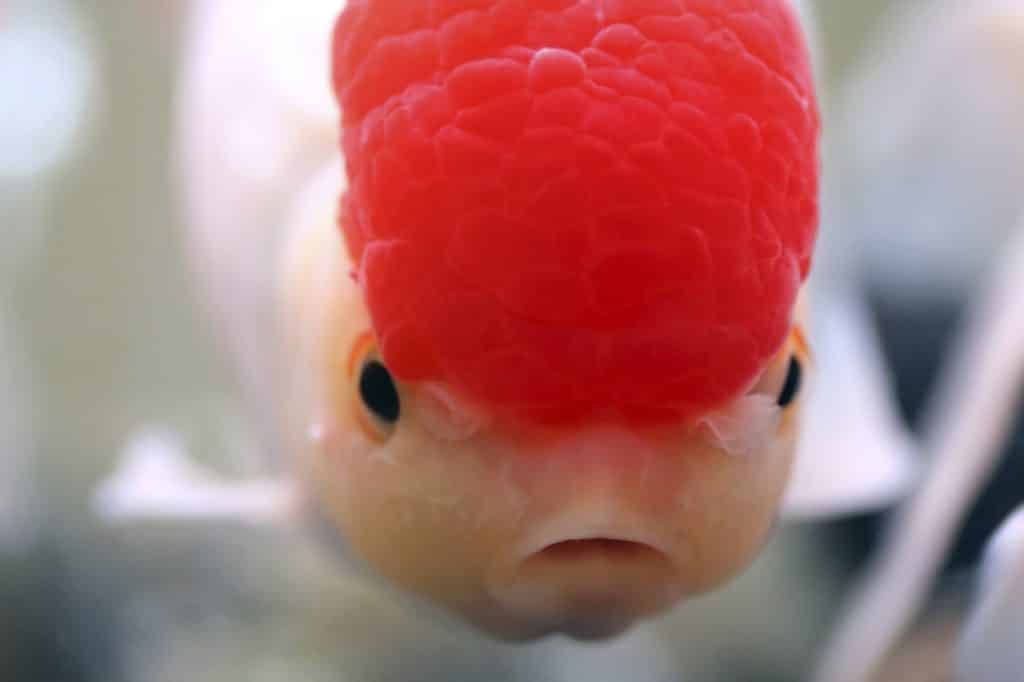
(590, 569)
(590, 583)
(574, 539)
(610, 549)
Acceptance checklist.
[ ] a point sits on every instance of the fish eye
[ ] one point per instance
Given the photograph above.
(375, 397)
(791, 386)
(378, 392)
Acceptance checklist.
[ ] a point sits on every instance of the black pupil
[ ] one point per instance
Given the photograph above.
(378, 391)
(792, 385)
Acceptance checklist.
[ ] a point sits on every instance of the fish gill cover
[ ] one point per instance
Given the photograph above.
(569, 208)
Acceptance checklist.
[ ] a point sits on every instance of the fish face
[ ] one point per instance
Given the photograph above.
(525, 530)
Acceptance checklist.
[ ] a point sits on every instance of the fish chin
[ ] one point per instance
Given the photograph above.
(584, 603)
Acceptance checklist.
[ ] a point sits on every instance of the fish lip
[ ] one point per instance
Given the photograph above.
(572, 530)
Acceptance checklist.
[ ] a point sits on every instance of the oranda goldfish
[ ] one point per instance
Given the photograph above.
(543, 351)
(550, 357)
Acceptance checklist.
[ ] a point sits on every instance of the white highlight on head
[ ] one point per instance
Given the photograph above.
(317, 433)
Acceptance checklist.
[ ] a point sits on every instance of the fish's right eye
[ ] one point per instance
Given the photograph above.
(791, 386)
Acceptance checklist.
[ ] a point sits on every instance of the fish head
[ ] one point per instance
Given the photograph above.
(525, 529)
(559, 363)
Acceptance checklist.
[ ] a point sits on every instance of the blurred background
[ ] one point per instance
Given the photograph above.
(100, 338)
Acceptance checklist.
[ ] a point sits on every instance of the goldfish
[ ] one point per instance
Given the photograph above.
(541, 356)
(545, 364)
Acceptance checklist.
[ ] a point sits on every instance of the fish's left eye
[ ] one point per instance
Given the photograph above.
(378, 392)
(374, 393)
(791, 386)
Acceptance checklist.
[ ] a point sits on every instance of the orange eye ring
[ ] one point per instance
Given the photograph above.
(784, 376)
(376, 402)
(800, 355)
(364, 345)
(803, 349)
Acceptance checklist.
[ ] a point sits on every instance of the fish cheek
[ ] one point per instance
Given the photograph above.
(426, 514)
(729, 506)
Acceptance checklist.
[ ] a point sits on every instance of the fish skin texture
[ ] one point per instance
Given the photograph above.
(570, 208)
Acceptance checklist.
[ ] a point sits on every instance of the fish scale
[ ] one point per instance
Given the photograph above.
(504, 156)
